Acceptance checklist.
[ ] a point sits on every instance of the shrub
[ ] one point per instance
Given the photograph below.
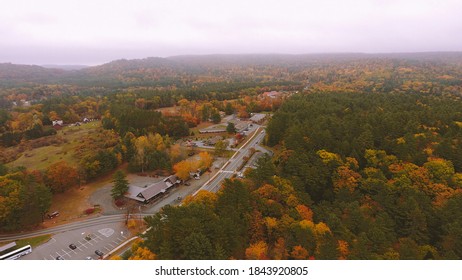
(119, 203)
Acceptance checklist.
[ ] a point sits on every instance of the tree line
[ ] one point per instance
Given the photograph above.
(340, 186)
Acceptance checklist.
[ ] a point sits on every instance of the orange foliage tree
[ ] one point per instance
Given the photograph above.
(343, 249)
(257, 251)
(304, 212)
(345, 178)
(279, 250)
(299, 253)
(61, 176)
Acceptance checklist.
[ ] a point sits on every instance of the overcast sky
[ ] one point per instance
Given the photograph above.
(92, 32)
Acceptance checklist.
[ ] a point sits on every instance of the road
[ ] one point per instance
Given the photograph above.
(79, 225)
(235, 162)
(212, 185)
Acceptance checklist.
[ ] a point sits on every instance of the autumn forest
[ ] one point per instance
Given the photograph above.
(366, 164)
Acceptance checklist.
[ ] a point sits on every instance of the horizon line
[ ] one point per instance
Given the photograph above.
(49, 65)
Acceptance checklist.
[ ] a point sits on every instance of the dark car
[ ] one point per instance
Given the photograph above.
(88, 237)
(59, 258)
(72, 246)
(53, 215)
(99, 253)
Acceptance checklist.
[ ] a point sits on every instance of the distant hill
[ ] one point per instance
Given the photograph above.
(14, 74)
(156, 71)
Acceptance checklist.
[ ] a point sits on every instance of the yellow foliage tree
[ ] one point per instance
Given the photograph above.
(53, 116)
(457, 180)
(205, 197)
(271, 223)
(328, 157)
(143, 253)
(156, 141)
(175, 151)
(182, 169)
(441, 170)
(322, 229)
(141, 144)
(131, 224)
(205, 160)
(307, 224)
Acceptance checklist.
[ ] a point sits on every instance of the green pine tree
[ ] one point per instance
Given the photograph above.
(120, 185)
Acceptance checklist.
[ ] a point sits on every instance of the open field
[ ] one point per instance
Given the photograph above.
(42, 157)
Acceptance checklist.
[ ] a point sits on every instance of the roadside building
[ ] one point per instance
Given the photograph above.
(213, 129)
(258, 118)
(153, 191)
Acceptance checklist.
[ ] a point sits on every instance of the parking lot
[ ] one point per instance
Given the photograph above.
(103, 238)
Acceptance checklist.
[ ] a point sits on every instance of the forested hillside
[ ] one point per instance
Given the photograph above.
(356, 176)
(367, 150)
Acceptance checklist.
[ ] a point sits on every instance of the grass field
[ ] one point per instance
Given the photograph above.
(33, 241)
(41, 158)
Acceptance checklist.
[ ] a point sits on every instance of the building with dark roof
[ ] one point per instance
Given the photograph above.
(153, 191)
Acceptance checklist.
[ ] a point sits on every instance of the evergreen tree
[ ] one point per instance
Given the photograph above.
(231, 128)
(120, 185)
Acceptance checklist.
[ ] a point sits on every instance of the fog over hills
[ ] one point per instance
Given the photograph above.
(65, 67)
(155, 68)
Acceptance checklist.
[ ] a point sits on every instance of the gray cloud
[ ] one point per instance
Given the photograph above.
(91, 32)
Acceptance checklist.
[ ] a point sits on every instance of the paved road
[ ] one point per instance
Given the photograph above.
(71, 226)
(235, 162)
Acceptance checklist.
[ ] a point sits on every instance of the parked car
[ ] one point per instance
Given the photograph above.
(88, 237)
(89, 258)
(99, 253)
(53, 215)
(59, 258)
(72, 246)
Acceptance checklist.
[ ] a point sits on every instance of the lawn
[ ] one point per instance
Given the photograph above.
(41, 158)
(33, 241)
